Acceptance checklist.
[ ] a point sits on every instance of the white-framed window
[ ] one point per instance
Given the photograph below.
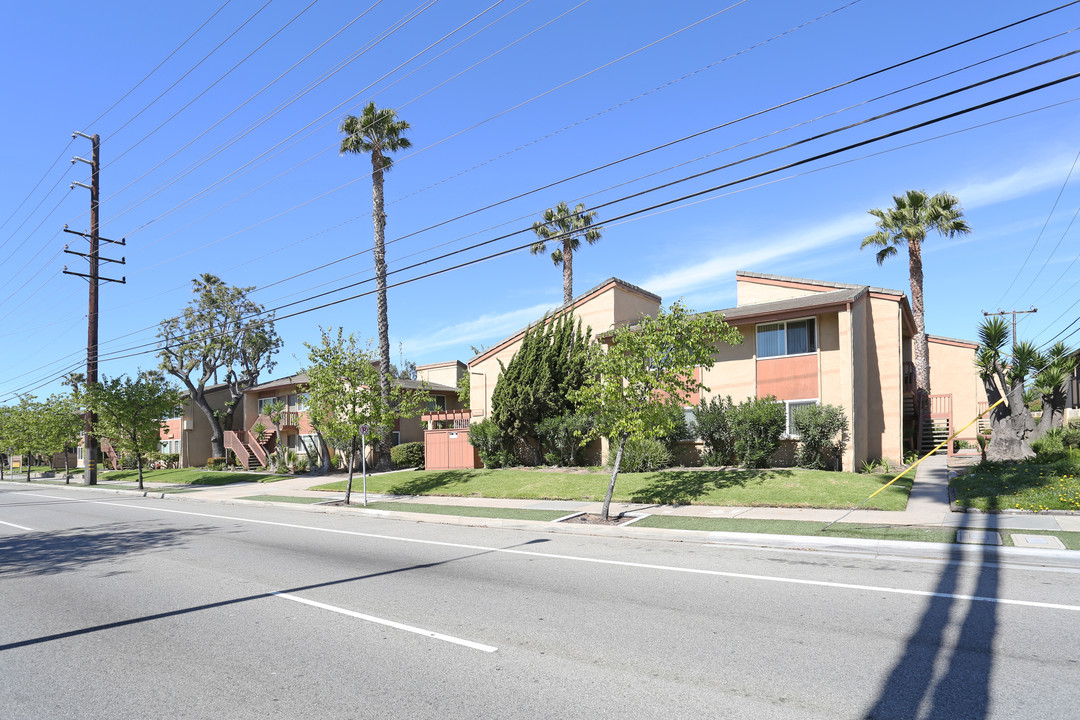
(170, 446)
(79, 453)
(298, 402)
(437, 403)
(263, 402)
(790, 337)
(307, 442)
(789, 406)
(395, 436)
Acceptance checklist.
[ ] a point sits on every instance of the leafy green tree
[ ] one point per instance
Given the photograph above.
(628, 387)
(566, 229)
(62, 424)
(220, 331)
(537, 382)
(377, 132)
(906, 224)
(344, 393)
(29, 431)
(464, 386)
(131, 412)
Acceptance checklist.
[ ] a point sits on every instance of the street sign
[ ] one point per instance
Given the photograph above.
(364, 429)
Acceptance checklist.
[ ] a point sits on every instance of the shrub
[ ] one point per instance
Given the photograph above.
(1050, 444)
(645, 455)
(302, 465)
(215, 463)
(562, 437)
(680, 428)
(408, 455)
(822, 431)
(712, 420)
(488, 440)
(757, 424)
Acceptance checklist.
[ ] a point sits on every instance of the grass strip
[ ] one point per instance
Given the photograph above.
(471, 511)
(800, 527)
(285, 499)
(776, 487)
(188, 476)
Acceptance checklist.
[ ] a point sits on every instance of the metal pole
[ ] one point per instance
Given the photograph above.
(363, 464)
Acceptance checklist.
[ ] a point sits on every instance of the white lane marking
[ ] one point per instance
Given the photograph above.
(16, 526)
(390, 623)
(599, 561)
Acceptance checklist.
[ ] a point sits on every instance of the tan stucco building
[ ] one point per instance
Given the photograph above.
(804, 341)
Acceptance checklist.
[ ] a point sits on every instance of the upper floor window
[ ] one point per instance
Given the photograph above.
(263, 402)
(786, 338)
(437, 403)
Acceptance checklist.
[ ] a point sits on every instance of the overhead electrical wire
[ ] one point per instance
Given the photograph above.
(120, 354)
(1063, 5)
(796, 163)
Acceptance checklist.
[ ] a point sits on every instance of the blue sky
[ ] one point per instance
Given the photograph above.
(224, 160)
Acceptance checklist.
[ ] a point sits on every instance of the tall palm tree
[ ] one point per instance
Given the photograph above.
(567, 228)
(377, 132)
(905, 224)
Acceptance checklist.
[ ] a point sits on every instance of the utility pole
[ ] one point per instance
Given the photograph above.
(1014, 313)
(90, 441)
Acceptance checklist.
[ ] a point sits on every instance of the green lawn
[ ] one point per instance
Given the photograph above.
(1023, 486)
(780, 487)
(188, 476)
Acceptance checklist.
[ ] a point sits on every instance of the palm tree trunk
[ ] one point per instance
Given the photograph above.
(567, 273)
(919, 347)
(379, 218)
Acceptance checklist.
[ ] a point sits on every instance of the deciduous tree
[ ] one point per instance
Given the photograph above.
(629, 385)
(131, 412)
(344, 393)
(221, 332)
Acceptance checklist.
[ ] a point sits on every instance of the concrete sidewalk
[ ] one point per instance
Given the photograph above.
(928, 505)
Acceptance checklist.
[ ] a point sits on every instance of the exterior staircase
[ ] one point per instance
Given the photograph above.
(934, 431)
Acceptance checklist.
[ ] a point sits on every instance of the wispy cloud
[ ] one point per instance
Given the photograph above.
(722, 266)
(486, 328)
(1027, 180)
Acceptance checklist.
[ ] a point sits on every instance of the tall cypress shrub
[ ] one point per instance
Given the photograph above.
(535, 384)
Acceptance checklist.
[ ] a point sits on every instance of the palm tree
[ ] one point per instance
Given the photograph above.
(566, 228)
(914, 214)
(377, 132)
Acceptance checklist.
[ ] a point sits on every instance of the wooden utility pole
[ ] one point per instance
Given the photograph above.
(90, 440)
(1014, 313)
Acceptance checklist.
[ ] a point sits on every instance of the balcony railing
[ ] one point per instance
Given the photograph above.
(447, 419)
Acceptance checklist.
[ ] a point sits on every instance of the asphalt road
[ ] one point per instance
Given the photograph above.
(135, 608)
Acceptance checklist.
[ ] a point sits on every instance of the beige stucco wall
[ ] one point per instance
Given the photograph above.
(735, 370)
(611, 306)
(835, 367)
(443, 373)
(749, 291)
(883, 401)
(195, 442)
(952, 370)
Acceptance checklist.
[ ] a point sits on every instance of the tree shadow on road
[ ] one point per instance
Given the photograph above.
(41, 553)
(963, 689)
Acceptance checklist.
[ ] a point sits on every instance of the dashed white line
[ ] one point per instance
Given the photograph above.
(600, 561)
(390, 623)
